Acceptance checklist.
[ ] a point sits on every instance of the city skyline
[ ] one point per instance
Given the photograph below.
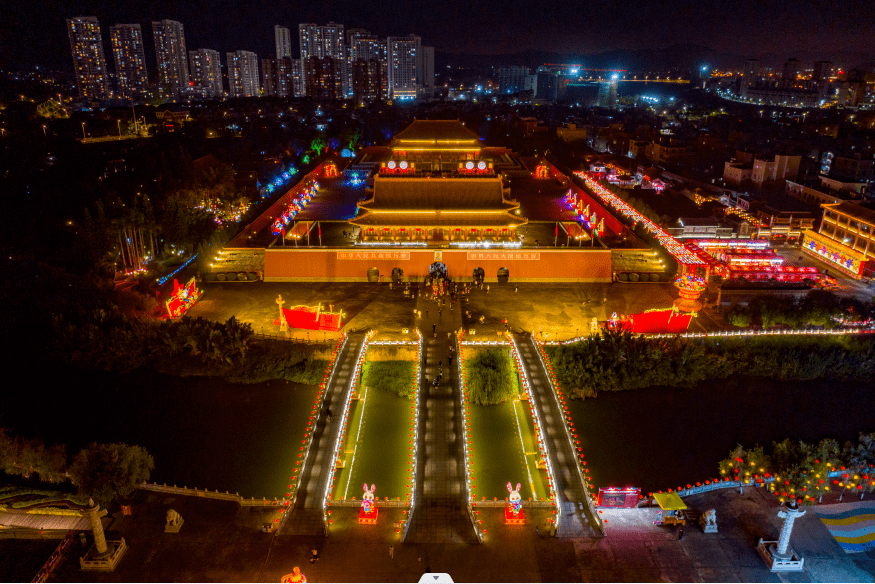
(731, 28)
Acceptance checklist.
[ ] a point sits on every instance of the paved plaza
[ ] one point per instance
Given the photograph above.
(223, 542)
(549, 310)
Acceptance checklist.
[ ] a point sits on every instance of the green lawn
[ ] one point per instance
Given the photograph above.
(377, 449)
(504, 451)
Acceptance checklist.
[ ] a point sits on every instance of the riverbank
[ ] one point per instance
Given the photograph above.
(661, 437)
(204, 432)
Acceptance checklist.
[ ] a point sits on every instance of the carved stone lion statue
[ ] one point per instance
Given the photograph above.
(173, 518)
(710, 517)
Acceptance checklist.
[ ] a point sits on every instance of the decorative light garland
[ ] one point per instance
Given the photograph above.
(412, 458)
(540, 431)
(176, 271)
(338, 446)
(569, 429)
(863, 329)
(671, 245)
(309, 190)
(469, 498)
(311, 427)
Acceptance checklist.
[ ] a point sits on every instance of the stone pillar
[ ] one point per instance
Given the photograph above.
(789, 514)
(93, 513)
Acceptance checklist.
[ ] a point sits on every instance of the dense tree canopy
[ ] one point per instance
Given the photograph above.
(491, 376)
(619, 360)
(102, 471)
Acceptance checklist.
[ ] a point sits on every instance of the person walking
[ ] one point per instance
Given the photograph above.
(314, 555)
(391, 551)
(450, 361)
(434, 328)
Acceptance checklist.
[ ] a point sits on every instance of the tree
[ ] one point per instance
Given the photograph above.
(746, 465)
(491, 377)
(860, 459)
(102, 471)
(319, 142)
(24, 457)
(818, 462)
(351, 137)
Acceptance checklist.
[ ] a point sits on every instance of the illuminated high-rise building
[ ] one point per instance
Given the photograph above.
(403, 54)
(822, 71)
(243, 74)
(130, 59)
(86, 45)
(324, 42)
(425, 71)
(296, 74)
(749, 76)
(368, 66)
(172, 58)
(276, 76)
(283, 42)
(206, 73)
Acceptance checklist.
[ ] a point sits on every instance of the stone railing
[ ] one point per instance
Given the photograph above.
(206, 493)
(717, 484)
(848, 330)
(570, 431)
(504, 503)
(354, 503)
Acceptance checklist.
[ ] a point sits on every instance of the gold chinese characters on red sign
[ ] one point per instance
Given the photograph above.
(503, 255)
(373, 255)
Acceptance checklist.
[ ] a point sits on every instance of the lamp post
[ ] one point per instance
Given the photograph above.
(44, 131)
(119, 124)
(83, 131)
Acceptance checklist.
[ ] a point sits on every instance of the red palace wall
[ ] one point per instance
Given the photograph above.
(612, 224)
(352, 264)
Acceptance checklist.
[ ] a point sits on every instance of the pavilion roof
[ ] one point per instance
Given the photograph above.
(423, 133)
(462, 220)
(852, 210)
(443, 194)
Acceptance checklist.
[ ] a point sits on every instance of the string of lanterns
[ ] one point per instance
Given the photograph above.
(295, 479)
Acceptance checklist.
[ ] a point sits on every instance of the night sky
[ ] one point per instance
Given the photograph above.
(34, 31)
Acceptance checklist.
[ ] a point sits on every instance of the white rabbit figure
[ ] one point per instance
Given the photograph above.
(368, 498)
(516, 501)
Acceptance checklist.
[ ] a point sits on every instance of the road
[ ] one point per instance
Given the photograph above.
(305, 516)
(440, 514)
(577, 517)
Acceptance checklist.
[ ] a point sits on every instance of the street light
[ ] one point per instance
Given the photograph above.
(83, 131)
(44, 131)
(119, 123)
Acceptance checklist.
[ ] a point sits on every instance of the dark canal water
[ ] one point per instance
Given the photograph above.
(661, 437)
(202, 432)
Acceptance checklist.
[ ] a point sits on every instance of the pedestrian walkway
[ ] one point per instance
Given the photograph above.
(576, 518)
(305, 516)
(440, 514)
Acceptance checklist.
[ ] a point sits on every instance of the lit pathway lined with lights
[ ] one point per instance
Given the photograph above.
(441, 513)
(576, 517)
(305, 516)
